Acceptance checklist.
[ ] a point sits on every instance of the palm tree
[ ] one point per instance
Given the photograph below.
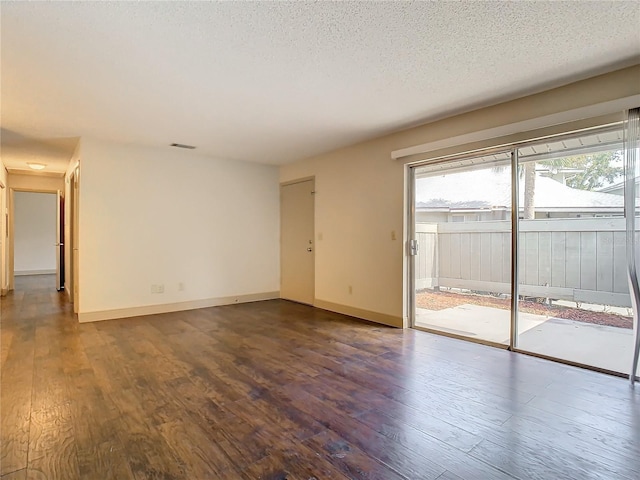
(529, 190)
(529, 174)
(592, 171)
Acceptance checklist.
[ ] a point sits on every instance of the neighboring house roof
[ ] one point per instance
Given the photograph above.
(485, 189)
(617, 188)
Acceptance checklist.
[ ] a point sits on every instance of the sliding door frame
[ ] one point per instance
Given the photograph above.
(513, 149)
(515, 245)
(411, 235)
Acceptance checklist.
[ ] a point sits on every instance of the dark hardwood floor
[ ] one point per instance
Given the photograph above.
(275, 390)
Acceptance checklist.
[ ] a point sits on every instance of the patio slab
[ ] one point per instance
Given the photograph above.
(596, 345)
(589, 344)
(476, 321)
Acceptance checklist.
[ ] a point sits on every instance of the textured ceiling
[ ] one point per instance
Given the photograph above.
(274, 82)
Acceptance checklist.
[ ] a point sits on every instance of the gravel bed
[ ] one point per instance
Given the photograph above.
(443, 299)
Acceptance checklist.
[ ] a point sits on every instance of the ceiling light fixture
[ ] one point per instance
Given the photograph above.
(36, 166)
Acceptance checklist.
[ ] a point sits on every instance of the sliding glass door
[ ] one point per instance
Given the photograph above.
(632, 208)
(572, 258)
(571, 271)
(463, 261)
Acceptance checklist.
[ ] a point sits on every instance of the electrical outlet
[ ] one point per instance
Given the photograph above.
(157, 288)
(350, 289)
(181, 286)
(393, 234)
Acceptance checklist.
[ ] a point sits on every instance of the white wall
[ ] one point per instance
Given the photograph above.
(358, 204)
(36, 182)
(34, 233)
(165, 216)
(361, 197)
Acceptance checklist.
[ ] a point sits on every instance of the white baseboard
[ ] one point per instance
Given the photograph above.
(84, 317)
(376, 317)
(18, 273)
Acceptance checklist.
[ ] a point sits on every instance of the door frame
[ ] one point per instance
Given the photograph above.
(293, 182)
(410, 217)
(60, 240)
(11, 235)
(72, 237)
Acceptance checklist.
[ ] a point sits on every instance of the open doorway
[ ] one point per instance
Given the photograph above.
(37, 237)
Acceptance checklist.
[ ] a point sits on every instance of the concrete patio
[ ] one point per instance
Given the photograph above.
(595, 345)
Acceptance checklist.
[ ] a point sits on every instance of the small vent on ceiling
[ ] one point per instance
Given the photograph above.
(182, 145)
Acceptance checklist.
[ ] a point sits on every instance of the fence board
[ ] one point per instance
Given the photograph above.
(531, 258)
(572, 256)
(496, 257)
(465, 256)
(485, 255)
(421, 260)
(522, 265)
(588, 252)
(575, 259)
(620, 281)
(444, 255)
(506, 257)
(544, 258)
(558, 251)
(454, 257)
(476, 256)
(604, 261)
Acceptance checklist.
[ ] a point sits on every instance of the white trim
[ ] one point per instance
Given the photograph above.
(590, 111)
(34, 272)
(39, 173)
(84, 317)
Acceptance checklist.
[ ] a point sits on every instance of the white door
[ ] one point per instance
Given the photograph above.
(297, 246)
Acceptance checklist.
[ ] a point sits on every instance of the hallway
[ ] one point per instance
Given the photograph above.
(276, 390)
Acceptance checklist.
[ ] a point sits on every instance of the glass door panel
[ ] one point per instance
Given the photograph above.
(573, 287)
(632, 209)
(462, 269)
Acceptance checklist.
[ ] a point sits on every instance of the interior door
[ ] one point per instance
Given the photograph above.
(297, 244)
(59, 241)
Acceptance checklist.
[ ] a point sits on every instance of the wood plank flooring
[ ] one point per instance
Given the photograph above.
(275, 390)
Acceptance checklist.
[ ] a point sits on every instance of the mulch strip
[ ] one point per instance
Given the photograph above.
(441, 300)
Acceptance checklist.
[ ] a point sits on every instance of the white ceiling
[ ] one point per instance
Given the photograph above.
(273, 82)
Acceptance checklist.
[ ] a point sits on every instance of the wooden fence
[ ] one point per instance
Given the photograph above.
(582, 259)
